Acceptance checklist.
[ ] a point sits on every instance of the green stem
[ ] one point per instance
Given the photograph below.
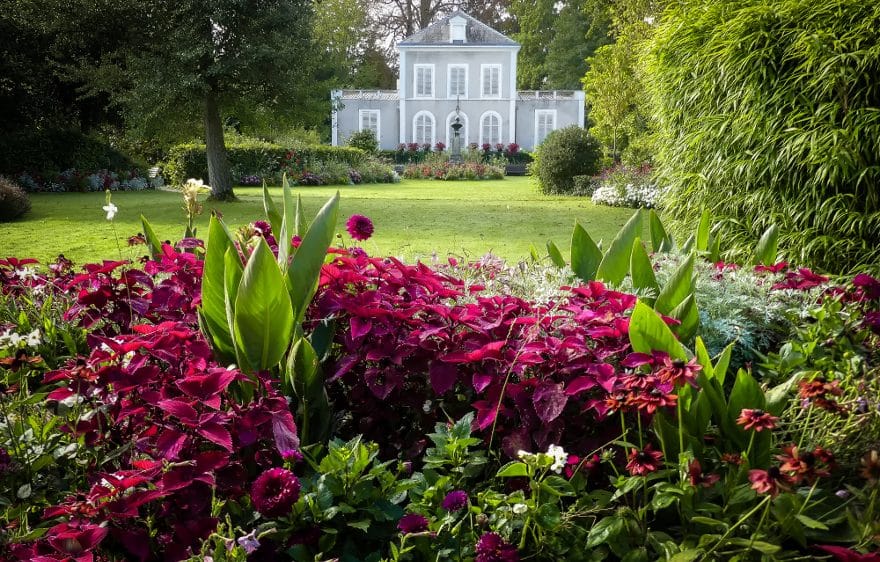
(809, 495)
(760, 524)
(742, 520)
(805, 426)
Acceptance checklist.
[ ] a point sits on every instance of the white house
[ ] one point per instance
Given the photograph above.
(456, 62)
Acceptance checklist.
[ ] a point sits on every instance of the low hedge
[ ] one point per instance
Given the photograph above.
(250, 157)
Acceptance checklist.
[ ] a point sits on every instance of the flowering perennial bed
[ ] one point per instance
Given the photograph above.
(424, 417)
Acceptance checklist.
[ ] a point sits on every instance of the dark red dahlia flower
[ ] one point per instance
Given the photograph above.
(359, 227)
(274, 492)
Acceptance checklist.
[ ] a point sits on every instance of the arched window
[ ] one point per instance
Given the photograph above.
(463, 133)
(490, 128)
(423, 128)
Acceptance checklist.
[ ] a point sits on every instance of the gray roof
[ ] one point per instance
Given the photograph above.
(477, 33)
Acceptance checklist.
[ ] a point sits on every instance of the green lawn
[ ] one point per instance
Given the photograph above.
(413, 219)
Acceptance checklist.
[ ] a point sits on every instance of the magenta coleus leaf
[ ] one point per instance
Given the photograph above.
(549, 401)
(491, 350)
(216, 433)
(443, 376)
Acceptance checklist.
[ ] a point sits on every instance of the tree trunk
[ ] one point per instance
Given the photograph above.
(219, 177)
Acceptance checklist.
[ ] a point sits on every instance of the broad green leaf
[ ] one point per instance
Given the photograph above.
(687, 314)
(605, 530)
(702, 240)
(548, 516)
(811, 523)
(723, 363)
(677, 288)
(533, 253)
(302, 276)
(557, 486)
(761, 546)
(213, 307)
(715, 247)
(288, 223)
(688, 555)
(153, 242)
(300, 222)
(585, 255)
(660, 240)
(555, 254)
(263, 317)
(306, 379)
(615, 264)
(688, 245)
(272, 214)
(768, 246)
(709, 522)
(642, 271)
(777, 397)
(746, 394)
(513, 469)
(703, 357)
(648, 332)
(232, 271)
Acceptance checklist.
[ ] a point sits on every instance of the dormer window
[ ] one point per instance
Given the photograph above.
(457, 28)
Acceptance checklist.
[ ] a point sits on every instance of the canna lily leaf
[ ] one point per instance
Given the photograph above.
(555, 254)
(615, 264)
(585, 254)
(263, 317)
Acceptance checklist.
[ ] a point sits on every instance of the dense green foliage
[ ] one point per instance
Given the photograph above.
(54, 150)
(14, 201)
(249, 156)
(364, 140)
(564, 154)
(768, 114)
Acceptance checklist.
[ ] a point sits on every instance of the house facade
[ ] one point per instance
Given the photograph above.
(460, 67)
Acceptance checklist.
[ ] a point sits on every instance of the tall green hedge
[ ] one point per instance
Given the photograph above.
(249, 157)
(55, 150)
(769, 112)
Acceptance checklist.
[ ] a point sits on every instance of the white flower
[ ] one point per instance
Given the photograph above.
(26, 273)
(9, 339)
(426, 407)
(559, 458)
(111, 210)
(33, 339)
(523, 454)
(520, 508)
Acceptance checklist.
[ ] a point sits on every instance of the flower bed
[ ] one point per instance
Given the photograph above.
(624, 186)
(427, 412)
(73, 180)
(445, 170)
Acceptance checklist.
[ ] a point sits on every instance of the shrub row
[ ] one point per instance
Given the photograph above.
(252, 157)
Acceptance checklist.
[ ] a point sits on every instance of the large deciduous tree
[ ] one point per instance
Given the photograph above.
(194, 59)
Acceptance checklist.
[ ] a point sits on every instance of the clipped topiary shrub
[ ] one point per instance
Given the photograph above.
(564, 154)
(14, 201)
(768, 114)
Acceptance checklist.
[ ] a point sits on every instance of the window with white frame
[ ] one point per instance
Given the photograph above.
(369, 119)
(424, 80)
(457, 80)
(490, 128)
(545, 123)
(423, 128)
(491, 80)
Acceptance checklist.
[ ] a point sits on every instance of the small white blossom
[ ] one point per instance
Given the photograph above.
(34, 339)
(426, 407)
(111, 210)
(25, 273)
(559, 458)
(9, 339)
(521, 454)
(520, 508)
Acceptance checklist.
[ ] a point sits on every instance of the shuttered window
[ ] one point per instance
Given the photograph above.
(424, 86)
(457, 80)
(370, 121)
(545, 123)
(490, 129)
(491, 80)
(423, 128)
